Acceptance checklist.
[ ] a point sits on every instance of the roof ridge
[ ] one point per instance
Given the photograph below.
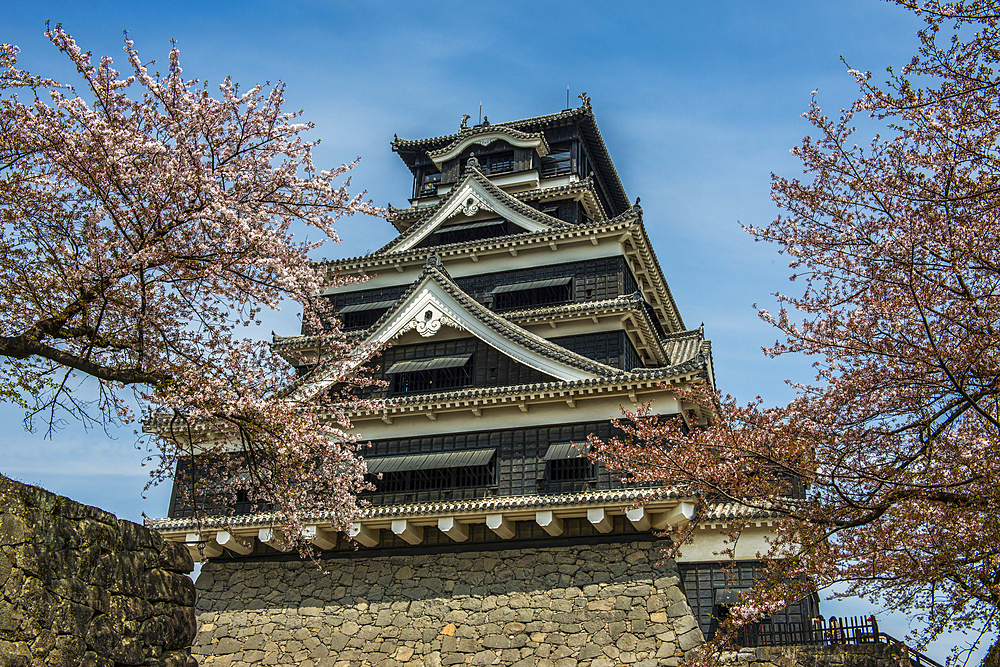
(581, 110)
(473, 173)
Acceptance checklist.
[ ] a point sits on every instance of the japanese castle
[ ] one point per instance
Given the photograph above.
(521, 305)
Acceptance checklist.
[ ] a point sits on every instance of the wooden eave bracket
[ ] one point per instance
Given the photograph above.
(273, 538)
(410, 533)
(453, 528)
(320, 536)
(600, 519)
(500, 525)
(552, 524)
(195, 545)
(362, 534)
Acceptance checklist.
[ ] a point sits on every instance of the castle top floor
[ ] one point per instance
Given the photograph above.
(540, 152)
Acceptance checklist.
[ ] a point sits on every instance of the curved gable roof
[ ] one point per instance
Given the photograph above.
(434, 301)
(485, 136)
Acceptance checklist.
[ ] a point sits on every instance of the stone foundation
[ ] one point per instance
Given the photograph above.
(573, 606)
(81, 587)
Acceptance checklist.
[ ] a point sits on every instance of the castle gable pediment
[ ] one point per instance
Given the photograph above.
(474, 195)
(484, 136)
(435, 302)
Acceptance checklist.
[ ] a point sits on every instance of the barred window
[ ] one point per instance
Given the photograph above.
(473, 231)
(534, 293)
(429, 472)
(567, 470)
(431, 374)
(497, 164)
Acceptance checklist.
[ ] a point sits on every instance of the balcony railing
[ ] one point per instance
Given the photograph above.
(823, 632)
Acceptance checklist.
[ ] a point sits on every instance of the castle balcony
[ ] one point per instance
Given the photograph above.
(855, 640)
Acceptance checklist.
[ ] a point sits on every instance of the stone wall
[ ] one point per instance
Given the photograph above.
(81, 587)
(573, 606)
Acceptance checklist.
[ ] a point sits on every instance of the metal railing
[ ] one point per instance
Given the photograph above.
(827, 632)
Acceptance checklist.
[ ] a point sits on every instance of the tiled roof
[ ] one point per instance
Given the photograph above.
(685, 360)
(631, 303)
(629, 221)
(537, 502)
(713, 513)
(547, 120)
(491, 319)
(513, 393)
(721, 512)
(583, 114)
(584, 188)
(474, 173)
(564, 230)
(509, 331)
(645, 250)
(487, 129)
(684, 344)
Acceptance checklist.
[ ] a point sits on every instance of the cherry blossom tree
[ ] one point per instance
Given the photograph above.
(145, 221)
(882, 474)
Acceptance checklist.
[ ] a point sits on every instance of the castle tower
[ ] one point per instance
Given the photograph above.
(524, 305)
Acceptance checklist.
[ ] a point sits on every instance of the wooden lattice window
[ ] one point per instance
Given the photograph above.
(498, 163)
(566, 462)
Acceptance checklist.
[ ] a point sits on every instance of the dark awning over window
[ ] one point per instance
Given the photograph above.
(537, 284)
(565, 450)
(429, 364)
(375, 305)
(471, 225)
(437, 460)
(729, 596)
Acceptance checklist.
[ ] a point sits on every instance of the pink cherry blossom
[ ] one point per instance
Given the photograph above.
(883, 472)
(145, 220)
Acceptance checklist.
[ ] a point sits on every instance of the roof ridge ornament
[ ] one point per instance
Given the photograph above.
(472, 163)
(433, 262)
(586, 99)
(465, 122)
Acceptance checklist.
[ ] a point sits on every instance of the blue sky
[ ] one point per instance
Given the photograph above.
(698, 103)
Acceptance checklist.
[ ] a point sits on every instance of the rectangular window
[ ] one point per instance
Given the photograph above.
(472, 231)
(430, 472)
(499, 163)
(558, 162)
(431, 374)
(359, 315)
(429, 184)
(567, 469)
(535, 293)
